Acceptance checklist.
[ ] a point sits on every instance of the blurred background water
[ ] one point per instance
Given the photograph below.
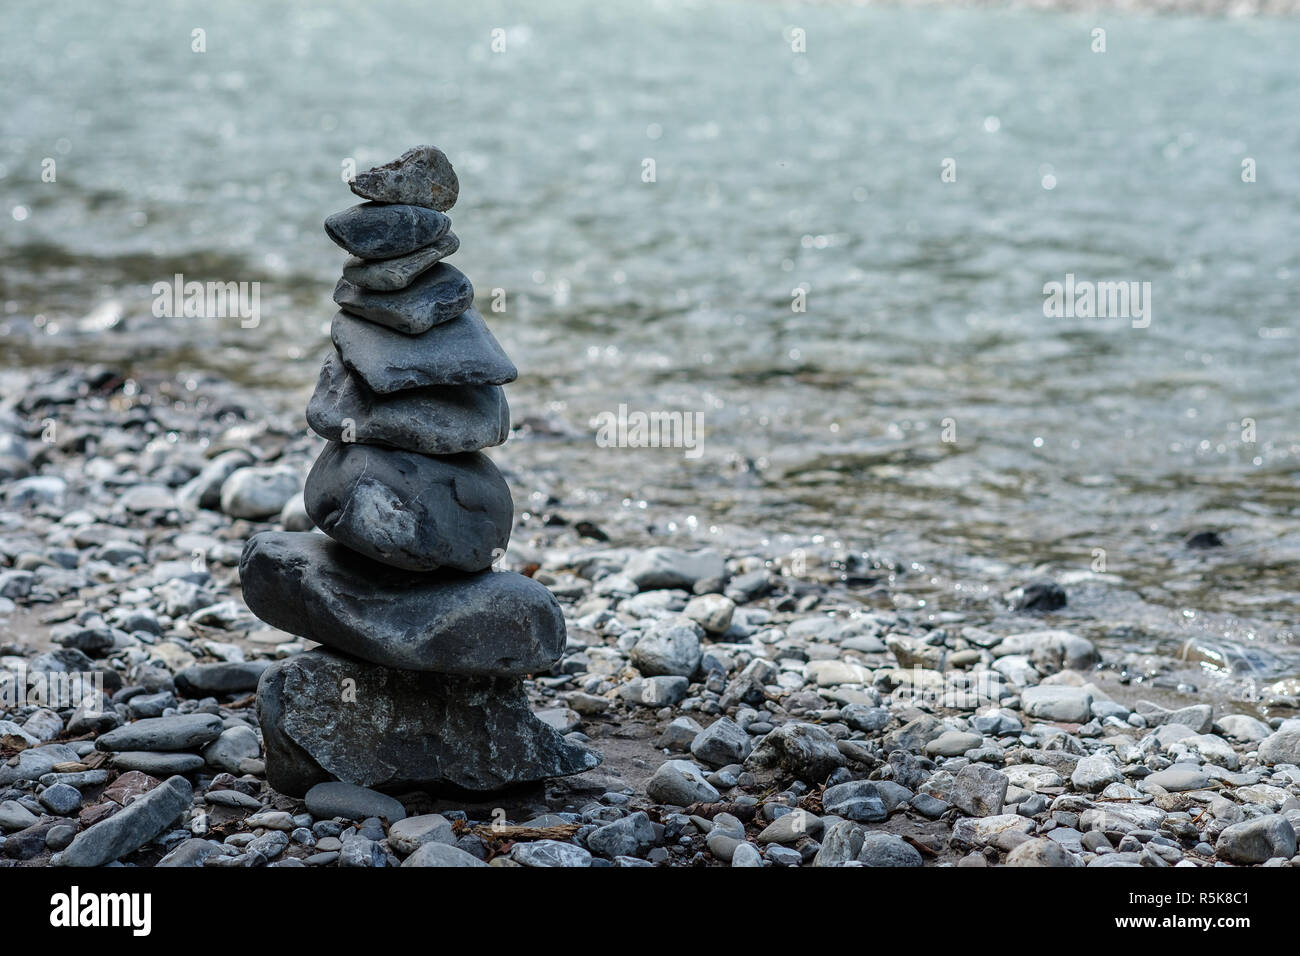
(774, 170)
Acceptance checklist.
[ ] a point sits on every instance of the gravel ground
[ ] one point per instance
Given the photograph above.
(752, 709)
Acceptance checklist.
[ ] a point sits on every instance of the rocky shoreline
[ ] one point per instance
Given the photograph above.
(751, 708)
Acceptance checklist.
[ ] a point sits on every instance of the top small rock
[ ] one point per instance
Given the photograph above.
(421, 177)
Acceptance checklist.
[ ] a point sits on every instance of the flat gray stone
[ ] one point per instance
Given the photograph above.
(661, 567)
(439, 295)
(325, 801)
(226, 677)
(887, 849)
(35, 763)
(1057, 702)
(371, 230)
(157, 764)
(411, 511)
(1200, 717)
(1180, 777)
(791, 827)
(327, 716)
(438, 420)
(550, 853)
(191, 852)
(489, 623)
(952, 743)
(389, 275)
(15, 816)
(131, 827)
(460, 352)
(680, 783)
(181, 732)
(410, 833)
(441, 854)
(421, 176)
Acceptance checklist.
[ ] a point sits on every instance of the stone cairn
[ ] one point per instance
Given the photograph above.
(419, 682)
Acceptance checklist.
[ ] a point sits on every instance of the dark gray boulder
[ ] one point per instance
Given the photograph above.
(373, 230)
(421, 176)
(389, 275)
(489, 623)
(412, 511)
(438, 296)
(327, 716)
(439, 420)
(460, 352)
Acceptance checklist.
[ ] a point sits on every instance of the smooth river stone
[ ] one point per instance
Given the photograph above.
(178, 732)
(389, 275)
(375, 231)
(438, 296)
(421, 176)
(492, 623)
(140, 821)
(440, 420)
(410, 510)
(327, 716)
(460, 352)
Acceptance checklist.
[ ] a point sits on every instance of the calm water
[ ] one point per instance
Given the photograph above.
(774, 170)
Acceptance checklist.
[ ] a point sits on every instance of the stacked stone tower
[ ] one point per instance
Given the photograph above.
(419, 683)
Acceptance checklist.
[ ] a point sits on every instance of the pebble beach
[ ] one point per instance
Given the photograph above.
(862, 435)
(750, 708)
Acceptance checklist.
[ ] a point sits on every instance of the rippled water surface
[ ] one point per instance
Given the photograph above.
(1077, 440)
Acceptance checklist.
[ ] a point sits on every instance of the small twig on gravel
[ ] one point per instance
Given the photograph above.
(91, 761)
(497, 833)
(924, 848)
(812, 801)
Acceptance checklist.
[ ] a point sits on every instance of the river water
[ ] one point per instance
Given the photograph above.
(921, 405)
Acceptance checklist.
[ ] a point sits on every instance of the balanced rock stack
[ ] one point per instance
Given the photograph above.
(419, 683)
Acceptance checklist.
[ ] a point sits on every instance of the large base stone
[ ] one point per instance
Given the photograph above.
(441, 420)
(489, 623)
(327, 716)
(417, 512)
